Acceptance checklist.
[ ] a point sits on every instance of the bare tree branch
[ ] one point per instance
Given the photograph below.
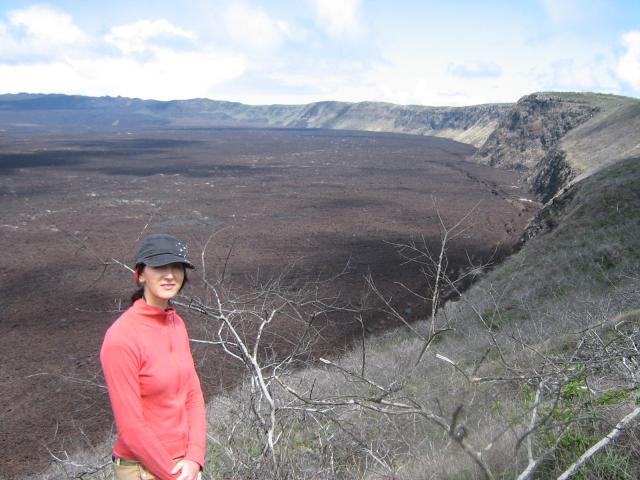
(610, 437)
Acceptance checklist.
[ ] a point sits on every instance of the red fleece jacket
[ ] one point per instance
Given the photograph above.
(154, 389)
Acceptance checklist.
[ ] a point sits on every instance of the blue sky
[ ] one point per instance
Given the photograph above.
(280, 51)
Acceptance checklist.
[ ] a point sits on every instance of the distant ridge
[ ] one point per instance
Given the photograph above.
(553, 138)
(63, 112)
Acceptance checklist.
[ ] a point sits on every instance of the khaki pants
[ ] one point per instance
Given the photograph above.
(134, 472)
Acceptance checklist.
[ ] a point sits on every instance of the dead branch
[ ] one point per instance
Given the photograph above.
(610, 437)
(532, 465)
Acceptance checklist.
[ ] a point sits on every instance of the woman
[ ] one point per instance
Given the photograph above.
(153, 386)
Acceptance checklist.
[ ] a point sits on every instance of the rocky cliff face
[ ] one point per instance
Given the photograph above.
(528, 137)
(467, 124)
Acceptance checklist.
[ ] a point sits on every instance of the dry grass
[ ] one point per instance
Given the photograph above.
(609, 136)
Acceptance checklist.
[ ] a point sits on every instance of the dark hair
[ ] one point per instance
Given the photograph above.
(139, 293)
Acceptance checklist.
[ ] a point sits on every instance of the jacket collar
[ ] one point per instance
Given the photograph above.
(153, 314)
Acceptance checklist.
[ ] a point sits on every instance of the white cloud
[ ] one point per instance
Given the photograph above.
(38, 32)
(168, 75)
(43, 51)
(591, 74)
(401, 82)
(134, 37)
(338, 17)
(475, 69)
(415, 85)
(43, 24)
(571, 11)
(558, 10)
(252, 27)
(628, 68)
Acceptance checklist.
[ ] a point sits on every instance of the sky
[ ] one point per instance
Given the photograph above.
(421, 52)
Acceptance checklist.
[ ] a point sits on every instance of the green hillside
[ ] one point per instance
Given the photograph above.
(608, 137)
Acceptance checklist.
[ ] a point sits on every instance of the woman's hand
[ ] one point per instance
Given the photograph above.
(189, 470)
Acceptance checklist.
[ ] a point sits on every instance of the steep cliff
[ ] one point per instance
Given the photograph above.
(527, 139)
(553, 138)
(470, 125)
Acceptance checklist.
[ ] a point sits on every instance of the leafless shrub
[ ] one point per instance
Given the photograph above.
(517, 395)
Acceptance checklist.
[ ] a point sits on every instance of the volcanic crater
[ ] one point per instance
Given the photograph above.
(314, 202)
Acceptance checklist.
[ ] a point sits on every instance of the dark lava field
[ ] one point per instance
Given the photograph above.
(315, 203)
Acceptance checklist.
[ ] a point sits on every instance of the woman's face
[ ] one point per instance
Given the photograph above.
(161, 284)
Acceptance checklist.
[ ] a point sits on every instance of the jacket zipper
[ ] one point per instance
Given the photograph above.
(171, 334)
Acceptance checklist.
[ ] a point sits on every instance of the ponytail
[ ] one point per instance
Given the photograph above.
(138, 294)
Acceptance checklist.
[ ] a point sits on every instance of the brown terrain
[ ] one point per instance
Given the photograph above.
(319, 201)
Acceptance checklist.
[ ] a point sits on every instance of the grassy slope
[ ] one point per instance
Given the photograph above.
(611, 135)
(608, 137)
(475, 135)
(583, 271)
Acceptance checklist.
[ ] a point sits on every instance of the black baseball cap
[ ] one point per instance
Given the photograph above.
(161, 249)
